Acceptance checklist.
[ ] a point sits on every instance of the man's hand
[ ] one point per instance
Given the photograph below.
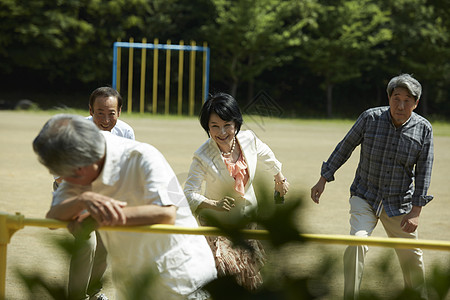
(410, 221)
(317, 190)
(105, 210)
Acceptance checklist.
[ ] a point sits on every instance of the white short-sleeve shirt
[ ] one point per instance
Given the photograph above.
(121, 129)
(137, 173)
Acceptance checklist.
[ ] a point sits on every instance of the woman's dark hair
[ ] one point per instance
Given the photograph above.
(225, 106)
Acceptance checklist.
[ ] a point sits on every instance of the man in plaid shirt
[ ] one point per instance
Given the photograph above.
(391, 180)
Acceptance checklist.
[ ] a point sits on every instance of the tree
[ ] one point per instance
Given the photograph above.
(72, 40)
(346, 42)
(41, 35)
(421, 32)
(248, 37)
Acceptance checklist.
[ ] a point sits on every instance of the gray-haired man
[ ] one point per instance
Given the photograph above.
(391, 181)
(121, 182)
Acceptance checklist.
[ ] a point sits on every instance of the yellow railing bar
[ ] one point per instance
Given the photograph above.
(180, 79)
(130, 77)
(11, 223)
(205, 45)
(247, 233)
(143, 65)
(192, 81)
(119, 65)
(167, 87)
(155, 76)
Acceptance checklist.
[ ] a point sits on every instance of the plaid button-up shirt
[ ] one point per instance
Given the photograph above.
(394, 169)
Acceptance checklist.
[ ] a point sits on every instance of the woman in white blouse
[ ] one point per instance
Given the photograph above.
(220, 183)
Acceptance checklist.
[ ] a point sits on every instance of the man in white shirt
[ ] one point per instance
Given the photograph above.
(121, 182)
(105, 106)
(88, 261)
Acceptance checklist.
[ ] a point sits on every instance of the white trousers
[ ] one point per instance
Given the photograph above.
(363, 221)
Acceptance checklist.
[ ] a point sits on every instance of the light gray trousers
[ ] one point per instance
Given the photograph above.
(363, 221)
(87, 266)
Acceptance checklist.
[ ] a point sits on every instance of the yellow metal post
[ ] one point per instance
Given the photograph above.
(167, 89)
(192, 81)
(180, 79)
(130, 77)
(155, 77)
(205, 45)
(8, 225)
(119, 67)
(4, 241)
(143, 65)
(3, 252)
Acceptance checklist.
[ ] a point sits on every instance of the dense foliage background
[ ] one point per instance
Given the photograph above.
(315, 58)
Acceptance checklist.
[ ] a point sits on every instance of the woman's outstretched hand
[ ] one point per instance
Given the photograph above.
(226, 204)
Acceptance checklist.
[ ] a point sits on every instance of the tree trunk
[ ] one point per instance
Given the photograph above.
(251, 81)
(233, 90)
(250, 90)
(329, 100)
(234, 78)
(424, 100)
(379, 97)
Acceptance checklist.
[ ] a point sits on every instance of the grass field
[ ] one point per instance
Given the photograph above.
(301, 145)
